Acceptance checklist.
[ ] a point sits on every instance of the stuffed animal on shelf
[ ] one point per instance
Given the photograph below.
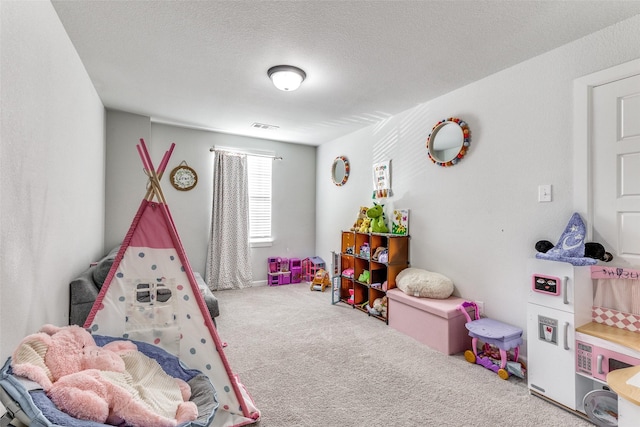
(372, 311)
(362, 214)
(365, 251)
(365, 225)
(364, 277)
(376, 213)
(380, 305)
(377, 252)
(101, 384)
(381, 255)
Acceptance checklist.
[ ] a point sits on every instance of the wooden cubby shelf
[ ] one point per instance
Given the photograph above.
(354, 259)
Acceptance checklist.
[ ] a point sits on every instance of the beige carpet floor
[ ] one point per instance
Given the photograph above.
(308, 363)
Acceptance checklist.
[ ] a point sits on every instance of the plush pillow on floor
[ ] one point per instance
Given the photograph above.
(425, 284)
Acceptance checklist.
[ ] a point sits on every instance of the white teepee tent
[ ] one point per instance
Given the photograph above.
(151, 295)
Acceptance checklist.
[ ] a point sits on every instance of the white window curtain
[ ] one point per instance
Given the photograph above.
(228, 256)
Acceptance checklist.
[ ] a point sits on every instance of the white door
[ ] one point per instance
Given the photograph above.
(615, 154)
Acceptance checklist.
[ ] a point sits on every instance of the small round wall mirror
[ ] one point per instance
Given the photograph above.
(340, 171)
(449, 141)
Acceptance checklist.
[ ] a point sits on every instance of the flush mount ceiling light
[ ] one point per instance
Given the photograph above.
(286, 77)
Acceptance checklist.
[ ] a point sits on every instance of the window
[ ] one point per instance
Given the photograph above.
(259, 199)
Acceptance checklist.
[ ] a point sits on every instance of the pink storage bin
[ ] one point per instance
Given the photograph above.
(435, 322)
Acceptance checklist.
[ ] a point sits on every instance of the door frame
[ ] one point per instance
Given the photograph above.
(582, 135)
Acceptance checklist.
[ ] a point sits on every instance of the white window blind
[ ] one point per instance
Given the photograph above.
(259, 197)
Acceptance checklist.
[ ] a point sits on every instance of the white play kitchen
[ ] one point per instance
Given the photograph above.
(583, 328)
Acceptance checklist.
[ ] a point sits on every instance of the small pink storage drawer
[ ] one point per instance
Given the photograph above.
(434, 322)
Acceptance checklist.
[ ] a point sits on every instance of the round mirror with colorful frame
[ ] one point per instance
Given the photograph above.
(340, 171)
(448, 141)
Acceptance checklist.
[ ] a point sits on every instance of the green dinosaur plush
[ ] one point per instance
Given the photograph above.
(364, 277)
(376, 213)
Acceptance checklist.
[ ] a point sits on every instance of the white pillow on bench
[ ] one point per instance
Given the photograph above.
(424, 284)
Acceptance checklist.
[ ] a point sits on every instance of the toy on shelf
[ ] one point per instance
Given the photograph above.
(494, 334)
(379, 307)
(320, 281)
(365, 251)
(400, 222)
(378, 224)
(381, 254)
(351, 299)
(365, 225)
(362, 214)
(364, 277)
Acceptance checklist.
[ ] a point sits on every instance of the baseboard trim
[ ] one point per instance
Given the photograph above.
(559, 405)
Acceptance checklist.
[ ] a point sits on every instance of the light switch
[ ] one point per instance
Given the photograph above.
(544, 193)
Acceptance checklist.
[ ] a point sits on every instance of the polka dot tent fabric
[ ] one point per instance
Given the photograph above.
(156, 303)
(151, 295)
(150, 299)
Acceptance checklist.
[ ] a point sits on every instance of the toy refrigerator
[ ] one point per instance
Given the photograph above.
(560, 298)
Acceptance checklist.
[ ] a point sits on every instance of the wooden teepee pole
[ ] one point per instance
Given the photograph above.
(154, 188)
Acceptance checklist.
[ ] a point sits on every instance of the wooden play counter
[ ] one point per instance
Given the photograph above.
(611, 333)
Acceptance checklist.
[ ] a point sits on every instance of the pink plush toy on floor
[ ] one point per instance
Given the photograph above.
(111, 384)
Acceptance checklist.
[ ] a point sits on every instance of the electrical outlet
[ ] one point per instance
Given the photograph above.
(480, 305)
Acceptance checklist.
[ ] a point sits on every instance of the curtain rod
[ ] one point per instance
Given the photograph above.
(248, 153)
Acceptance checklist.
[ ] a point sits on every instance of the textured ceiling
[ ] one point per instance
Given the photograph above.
(204, 63)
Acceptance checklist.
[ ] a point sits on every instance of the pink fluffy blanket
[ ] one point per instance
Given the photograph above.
(141, 395)
(112, 384)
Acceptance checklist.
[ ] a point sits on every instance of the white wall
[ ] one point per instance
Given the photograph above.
(126, 181)
(52, 171)
(477, 222)
(293, 187)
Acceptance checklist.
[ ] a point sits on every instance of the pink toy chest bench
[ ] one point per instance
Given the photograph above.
(434, 322)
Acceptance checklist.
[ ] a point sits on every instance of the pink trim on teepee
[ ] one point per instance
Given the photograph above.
(153, 228)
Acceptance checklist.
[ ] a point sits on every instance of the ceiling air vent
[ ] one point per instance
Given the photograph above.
(264, 126)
